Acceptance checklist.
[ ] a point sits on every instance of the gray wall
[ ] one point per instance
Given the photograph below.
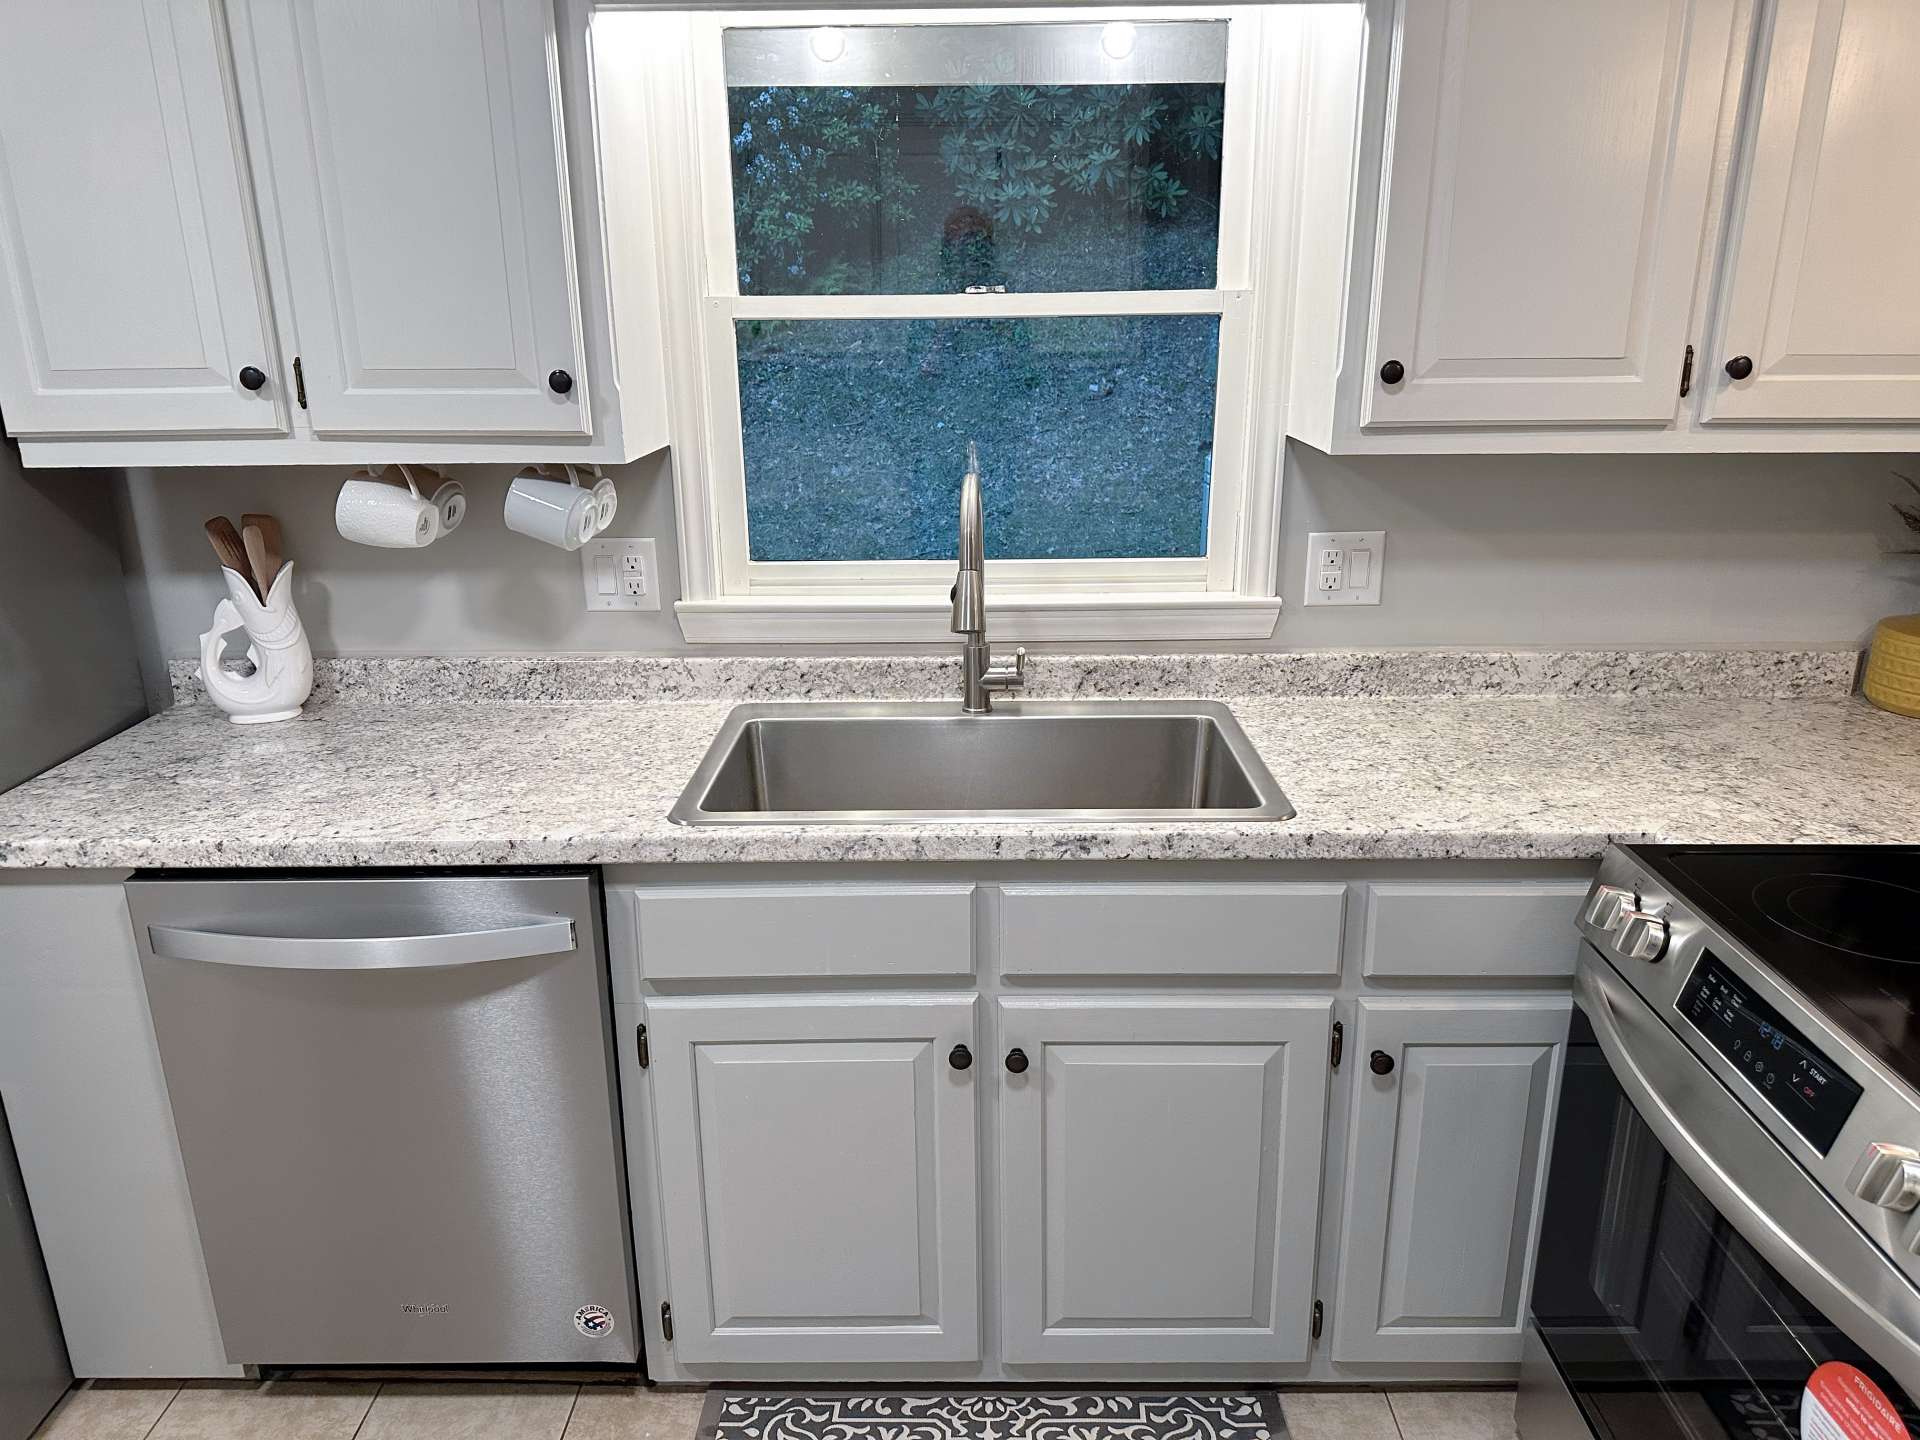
(1527, 551)
(68, 671)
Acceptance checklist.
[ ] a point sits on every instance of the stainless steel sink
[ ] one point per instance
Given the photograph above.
(824, 764)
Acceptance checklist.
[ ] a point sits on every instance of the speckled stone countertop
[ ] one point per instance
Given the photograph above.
(1488, 757)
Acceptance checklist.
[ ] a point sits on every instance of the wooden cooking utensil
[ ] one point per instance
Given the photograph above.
(256, 544)
(230, 548)
(266, 565)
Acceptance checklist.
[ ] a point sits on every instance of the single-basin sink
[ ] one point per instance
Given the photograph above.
(898, 763)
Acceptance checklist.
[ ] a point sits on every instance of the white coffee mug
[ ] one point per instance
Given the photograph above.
(372, 511)
(450, 499)
(560, 512)
(606, 500)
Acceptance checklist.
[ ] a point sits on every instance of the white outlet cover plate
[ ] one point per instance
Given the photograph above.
(630, 564)
(1361, 556)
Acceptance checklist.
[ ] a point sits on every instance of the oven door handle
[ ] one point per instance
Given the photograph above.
(1730, 1156)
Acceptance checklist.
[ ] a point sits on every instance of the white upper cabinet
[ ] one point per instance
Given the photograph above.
(1539, 227)
(303, 232)
(1545, 198)
(418, 164)
(1820, 318)
(131, 297)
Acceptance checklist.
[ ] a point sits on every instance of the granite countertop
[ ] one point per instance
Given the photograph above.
(1517, 758)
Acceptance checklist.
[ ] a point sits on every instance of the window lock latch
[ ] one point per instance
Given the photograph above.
(986, 290)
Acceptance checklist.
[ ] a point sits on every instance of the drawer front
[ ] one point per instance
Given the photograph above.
(1195, 929)
(704, 932)
(1461, 930)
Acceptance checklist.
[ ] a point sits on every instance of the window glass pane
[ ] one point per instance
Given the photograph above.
(1095, 435)
(925, 159)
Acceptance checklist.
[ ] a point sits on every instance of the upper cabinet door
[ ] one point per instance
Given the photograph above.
(1821, 303)
(1547, 180)
(418, 164)
(130, 294)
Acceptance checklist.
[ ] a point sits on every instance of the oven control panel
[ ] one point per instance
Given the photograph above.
(1802, 1085)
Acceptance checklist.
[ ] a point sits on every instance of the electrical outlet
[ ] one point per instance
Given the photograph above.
(620, 575)
(1343, 566)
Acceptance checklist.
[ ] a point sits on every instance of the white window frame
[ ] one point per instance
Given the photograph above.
(1230, 593)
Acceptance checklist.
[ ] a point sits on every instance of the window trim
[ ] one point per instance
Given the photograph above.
(1229, 594)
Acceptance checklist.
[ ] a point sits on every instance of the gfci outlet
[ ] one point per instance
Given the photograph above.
(620, 575)
(1343, 566)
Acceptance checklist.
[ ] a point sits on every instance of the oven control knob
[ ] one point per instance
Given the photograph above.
(1888, 1176)
(1642, 936)
(1608, 905)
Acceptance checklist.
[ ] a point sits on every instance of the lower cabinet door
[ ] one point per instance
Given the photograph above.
(818, 1180)
(1159, 1178)
(1444, 1174)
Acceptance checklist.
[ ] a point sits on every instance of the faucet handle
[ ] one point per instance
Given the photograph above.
(1001, 676)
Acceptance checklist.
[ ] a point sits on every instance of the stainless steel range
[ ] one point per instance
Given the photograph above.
(1736, 1164)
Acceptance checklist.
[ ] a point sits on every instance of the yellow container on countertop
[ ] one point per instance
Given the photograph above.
(1892, 680)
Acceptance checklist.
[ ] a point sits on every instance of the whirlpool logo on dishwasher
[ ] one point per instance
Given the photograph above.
(436, 1308)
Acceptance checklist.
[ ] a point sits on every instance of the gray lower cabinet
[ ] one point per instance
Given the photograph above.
(1159, 1178)
(818, 1178)
(1444, 1176)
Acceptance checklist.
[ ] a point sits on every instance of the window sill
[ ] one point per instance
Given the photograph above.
(903, 619)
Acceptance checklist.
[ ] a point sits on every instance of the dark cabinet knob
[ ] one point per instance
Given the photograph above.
(1380, 1063)
(252, 377)
(1392, 373)
(560, 382)
(960, 1058)
(1017, 1061)
(1740, 366)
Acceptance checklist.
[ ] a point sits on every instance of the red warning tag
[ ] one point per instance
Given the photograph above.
(1842, 1403)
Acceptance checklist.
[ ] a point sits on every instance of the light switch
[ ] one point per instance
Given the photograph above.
(1359, 568)
(606, 581)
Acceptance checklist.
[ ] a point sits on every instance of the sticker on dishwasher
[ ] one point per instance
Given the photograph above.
(593, 1321)
(1841, 1402)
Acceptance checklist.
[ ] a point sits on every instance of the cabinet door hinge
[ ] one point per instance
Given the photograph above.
(1686, 373)
(1319, 1317)
(641, 1049)
(1337, 1046)
(666, 1321)
(299, 383)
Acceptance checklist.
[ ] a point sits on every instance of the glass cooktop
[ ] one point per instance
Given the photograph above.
(1841, 924)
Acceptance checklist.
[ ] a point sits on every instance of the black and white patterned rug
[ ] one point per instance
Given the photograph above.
(991, 1415)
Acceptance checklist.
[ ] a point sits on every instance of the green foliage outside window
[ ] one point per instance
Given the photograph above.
(820, 173)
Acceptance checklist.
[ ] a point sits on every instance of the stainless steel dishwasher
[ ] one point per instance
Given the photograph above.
(395, 1099)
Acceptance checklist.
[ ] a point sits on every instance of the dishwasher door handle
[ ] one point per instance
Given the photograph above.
(374, 952)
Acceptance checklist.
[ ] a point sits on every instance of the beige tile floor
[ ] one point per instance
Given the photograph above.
(300, 1410)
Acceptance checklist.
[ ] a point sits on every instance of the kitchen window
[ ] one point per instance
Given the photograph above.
(1034, 231)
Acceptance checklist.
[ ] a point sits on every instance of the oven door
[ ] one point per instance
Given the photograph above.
(1691, 1275)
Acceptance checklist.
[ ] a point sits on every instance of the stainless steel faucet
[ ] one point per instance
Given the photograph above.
(979, 676)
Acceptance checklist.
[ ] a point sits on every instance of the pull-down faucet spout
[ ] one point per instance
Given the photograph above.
(979, 676)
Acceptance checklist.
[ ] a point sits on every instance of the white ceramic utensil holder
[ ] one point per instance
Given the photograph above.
(277, 645)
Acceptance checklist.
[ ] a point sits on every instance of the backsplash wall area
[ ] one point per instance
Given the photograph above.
(1481, 550)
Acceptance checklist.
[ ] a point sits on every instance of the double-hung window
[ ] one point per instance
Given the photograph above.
(1033, 232)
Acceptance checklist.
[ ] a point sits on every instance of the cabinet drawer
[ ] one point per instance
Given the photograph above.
(1195, 929)
(705, 932)
(1520, 927)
